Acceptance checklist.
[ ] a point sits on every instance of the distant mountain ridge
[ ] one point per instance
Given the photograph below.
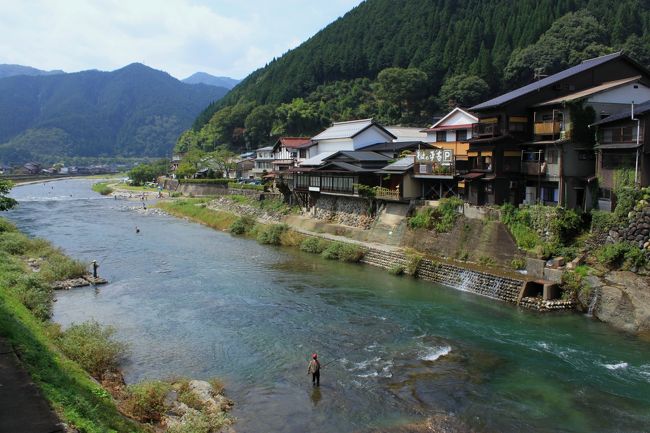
(7, 70)
(133, 111)
(211, 80)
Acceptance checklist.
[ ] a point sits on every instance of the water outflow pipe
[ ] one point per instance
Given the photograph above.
(638, 132)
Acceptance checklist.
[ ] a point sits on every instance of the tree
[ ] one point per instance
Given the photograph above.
(191, 163)
(402, 88)
(258, 126)
(6, 203)
(463, 90)
(222, 161)
(571, 39)
(298, 118)
(143, 173)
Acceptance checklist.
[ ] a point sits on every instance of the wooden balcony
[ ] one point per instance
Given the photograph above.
(548, 128)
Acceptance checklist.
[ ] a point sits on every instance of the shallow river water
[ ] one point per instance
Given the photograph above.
(191, 301)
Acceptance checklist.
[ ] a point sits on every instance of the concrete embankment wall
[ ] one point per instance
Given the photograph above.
(481, 283)
(211, 189)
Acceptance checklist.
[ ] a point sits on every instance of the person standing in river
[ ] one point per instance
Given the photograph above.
(314, 370)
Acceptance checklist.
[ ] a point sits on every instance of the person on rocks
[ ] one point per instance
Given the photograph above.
(314, 370)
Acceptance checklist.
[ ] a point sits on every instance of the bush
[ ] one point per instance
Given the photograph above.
(35, 294)
(146, 400)
(242, 225)
(291, 238)
(343, 252)
(92, 346)
(201, 422)
(441, 218)
(14, 243)
(102, 188)
(621, 255)
(566, 225)
(271, 235)
(59, 267)
(7, 226)
(396, 269)
(413, 261)
(249, 186)
(314, 245)
(602, 222)
(626, 198)
(423, 219)
(518, 263)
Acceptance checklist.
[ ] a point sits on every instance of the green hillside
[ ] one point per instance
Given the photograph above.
(134, 111)
(447, 52)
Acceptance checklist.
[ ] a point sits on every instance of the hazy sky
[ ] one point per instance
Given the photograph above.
(221, 37)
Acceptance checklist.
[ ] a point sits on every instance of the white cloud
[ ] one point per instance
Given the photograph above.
(180, 36)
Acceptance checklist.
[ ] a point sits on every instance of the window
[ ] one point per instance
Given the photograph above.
(441, 136)
(461, 135)
(549, 195)
(482, 163)
(612, 161)
(604, 194)
(303, 153)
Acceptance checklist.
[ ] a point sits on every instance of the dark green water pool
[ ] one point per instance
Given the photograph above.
(194, 302)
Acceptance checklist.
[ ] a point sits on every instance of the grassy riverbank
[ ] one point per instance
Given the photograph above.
(25, 306)
(270, 234)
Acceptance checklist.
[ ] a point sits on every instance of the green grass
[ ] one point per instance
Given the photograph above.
(76, 398)
(102, 188)
(195, 210)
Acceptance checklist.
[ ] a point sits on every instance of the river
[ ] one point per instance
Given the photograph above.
(195, 302)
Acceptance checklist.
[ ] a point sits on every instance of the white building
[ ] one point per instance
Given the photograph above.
(351, 135)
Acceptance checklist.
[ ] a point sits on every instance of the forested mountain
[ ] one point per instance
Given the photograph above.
(205, 78)
(11, 70)
(405, 61)
(133, 111)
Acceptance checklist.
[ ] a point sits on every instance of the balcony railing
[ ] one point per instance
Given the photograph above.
(548, 128)
(387, 194)
(533, 168)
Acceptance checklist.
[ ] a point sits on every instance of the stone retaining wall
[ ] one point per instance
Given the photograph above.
(638, 230)
(480, 283)
(349, 211)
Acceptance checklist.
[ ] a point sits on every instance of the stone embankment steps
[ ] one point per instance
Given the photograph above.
(480, 283)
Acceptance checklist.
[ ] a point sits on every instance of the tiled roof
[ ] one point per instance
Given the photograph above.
(316, 160)
(551, 79)
(396, 146)
(401, 165)
(295, 142)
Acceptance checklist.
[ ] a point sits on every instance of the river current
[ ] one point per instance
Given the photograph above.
(195, 302)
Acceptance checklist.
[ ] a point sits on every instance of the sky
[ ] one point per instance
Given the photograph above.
(222, 37)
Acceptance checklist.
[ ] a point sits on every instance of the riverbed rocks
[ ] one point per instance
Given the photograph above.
(624, 300)
(72, 283)
(201, 404)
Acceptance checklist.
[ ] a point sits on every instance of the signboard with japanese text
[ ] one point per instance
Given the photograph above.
(440, 156)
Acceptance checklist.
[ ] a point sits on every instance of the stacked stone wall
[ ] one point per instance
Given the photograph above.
(349, 211)
(637, 231)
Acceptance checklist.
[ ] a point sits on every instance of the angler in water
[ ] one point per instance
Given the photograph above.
(314, 370)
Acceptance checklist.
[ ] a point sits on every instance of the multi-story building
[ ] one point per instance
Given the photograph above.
(534, 145)
(622, 151)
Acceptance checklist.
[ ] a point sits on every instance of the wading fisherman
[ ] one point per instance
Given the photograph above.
(95, 266)
(314, 370)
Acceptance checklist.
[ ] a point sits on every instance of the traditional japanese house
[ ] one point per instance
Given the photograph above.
(263, 161)
(533, 145)
(623, 151)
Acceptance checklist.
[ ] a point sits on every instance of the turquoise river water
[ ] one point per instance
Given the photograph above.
(191, 301)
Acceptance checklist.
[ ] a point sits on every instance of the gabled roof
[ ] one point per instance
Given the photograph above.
(264, 149)
(551, 79)
(640, 109)
(440, 124)
(350, 129)
(589, 92)
(293, 142)
(340, 165)
(358, 155)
